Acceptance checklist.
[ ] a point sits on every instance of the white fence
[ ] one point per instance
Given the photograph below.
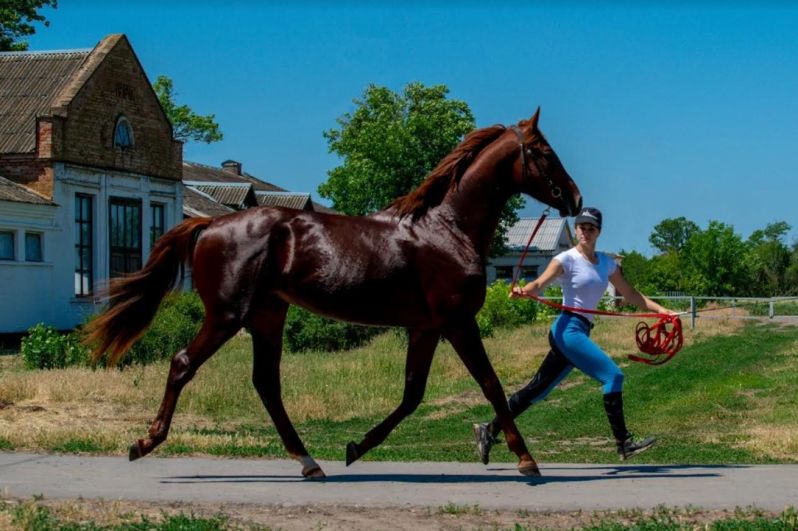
(750, 307)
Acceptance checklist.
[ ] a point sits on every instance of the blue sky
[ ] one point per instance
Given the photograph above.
(657, 110)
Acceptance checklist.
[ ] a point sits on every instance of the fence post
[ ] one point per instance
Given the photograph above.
(692, 312)
(771, 309)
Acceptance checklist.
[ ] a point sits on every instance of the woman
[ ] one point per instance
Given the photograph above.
(583, 274)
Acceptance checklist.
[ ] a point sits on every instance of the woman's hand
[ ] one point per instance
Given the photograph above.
(517, 291)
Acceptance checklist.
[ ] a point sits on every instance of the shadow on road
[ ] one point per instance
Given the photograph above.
(550, 476)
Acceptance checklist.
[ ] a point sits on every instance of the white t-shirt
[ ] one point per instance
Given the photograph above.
(583, 283)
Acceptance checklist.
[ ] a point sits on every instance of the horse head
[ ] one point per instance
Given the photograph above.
(540, 173)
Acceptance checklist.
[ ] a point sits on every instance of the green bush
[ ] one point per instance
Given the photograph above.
(177, 322)
(45, 348)
(307, 331)
(501, 311)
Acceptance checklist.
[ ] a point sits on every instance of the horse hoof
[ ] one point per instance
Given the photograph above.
(135, 451)
(529, 468)
(351, 453)
(314, 472)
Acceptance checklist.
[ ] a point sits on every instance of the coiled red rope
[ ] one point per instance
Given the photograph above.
(659, 342)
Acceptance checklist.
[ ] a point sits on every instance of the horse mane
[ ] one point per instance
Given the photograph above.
(446, 175)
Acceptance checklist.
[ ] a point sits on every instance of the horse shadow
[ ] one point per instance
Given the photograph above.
(551, 476)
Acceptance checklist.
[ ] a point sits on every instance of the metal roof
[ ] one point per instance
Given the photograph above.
(196, 174)
(547, 239)
(29, 82)
(285, 199)
(11, 191)
(235, 195)
(195, 203)
(193, 171)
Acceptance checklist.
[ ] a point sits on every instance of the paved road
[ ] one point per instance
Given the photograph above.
(563, 487)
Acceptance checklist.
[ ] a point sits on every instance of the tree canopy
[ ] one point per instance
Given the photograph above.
(16, 22)
(186, 124)
(716, 261)
(390, 142)
(672, 234)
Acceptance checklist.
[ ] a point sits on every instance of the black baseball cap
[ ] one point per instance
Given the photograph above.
(589, 215)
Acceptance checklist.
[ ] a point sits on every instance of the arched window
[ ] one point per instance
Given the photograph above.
(123, 133)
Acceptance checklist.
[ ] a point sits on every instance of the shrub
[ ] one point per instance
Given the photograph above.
(45, 348)
(501, 311)
(307, 331)
(177, 322)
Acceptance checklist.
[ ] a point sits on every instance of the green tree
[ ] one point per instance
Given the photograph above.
(716, 262)
(186, 124)
(791, 274)
(672, 234)
(637, 271)
(390, 142)
(16, 21)
(770, 259)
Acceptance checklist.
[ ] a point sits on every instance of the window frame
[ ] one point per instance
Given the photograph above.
(130, 250)
(157, 229)
(82, 268)
(13, 235)
(122, 121)
(40, 236)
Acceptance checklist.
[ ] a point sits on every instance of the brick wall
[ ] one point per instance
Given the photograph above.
(29, 171)
(119, 87)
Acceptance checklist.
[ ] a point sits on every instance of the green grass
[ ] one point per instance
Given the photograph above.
(697, 406)
(80, 446)
(78, 516)
(725, 398)
(40, 518)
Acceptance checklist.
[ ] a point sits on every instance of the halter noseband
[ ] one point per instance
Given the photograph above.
(556, 191)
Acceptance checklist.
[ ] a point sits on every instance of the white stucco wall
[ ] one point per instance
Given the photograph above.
(24, 284)
(45, 292)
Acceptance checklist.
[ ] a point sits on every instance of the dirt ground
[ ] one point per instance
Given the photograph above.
(335, 517)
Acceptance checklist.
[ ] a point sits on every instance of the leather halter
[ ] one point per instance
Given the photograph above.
(556, 191)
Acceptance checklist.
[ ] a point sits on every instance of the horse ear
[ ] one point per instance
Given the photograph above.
(533, 122)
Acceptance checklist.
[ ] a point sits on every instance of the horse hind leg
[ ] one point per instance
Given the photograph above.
(266, 326)
(212, 335)
(420, 350)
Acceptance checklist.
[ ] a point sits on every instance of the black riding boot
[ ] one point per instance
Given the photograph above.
(551, 368)
(627, 444)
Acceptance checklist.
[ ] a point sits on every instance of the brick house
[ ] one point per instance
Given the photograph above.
(90, 176)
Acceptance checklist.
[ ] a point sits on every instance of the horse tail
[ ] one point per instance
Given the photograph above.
(134, 299)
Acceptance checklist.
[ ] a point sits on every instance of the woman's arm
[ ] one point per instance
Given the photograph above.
(633, 296)
(552, 271)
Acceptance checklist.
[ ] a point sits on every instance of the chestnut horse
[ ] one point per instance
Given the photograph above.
(419, 264)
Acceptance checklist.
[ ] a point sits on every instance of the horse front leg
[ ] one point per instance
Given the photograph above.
(212, 335)
(420, 349)
(468, 344)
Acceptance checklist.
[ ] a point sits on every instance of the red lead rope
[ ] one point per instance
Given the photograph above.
(660, 341)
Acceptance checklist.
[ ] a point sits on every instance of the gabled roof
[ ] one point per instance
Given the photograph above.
(234, 195)
(195, 204)
(30, 82)
(193, 171)
(551, 234)
(285, 199)
(196, 173)
(11, 191)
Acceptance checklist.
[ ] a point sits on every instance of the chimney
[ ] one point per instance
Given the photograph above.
(232, 166)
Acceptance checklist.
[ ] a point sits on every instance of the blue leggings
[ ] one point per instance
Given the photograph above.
(570, 333)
